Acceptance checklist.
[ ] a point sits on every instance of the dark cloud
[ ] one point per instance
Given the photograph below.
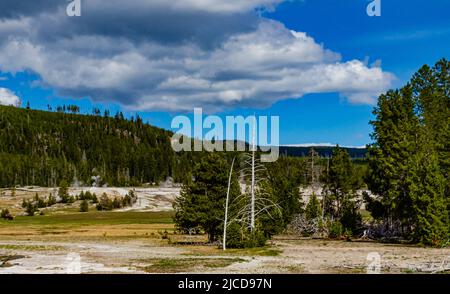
(27, 8)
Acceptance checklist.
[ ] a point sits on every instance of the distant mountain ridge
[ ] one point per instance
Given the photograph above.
(323, 151)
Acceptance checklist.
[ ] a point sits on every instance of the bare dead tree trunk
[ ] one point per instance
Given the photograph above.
(252, 221)
(226, 207)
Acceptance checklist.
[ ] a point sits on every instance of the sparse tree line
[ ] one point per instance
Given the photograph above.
(103, 203)
(337, 215)
(278, 202)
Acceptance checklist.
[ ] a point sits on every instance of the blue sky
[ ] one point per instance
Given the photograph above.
(407, 35)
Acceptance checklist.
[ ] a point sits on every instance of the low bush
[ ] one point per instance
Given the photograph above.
(5, 214)
(30, 207)
(39, 201)
(237, 237)
(105, 203)
(84, 206)
(51, 200)
(335, 229)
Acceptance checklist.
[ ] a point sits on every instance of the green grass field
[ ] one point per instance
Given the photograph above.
(93, 218)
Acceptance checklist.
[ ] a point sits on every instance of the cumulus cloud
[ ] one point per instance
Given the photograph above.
(176, 55)
(8, 98)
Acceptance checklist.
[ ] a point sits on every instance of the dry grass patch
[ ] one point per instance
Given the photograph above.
(180, 265)
(31, 247)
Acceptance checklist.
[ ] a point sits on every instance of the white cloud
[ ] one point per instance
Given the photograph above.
(214, 6)
(7, 97)
(323, 145)
(209, 64)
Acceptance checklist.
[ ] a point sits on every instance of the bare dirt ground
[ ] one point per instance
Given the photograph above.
(141, 239)
(292, 256)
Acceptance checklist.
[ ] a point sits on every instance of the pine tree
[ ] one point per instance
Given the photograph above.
(408, 163)
(394, 134)
(51, 200)
(313, 209)
(426, 187)
(340, 191)
(432, 93)
(339, 183)
(282, 186)
(431, 90)
(63, 191)
(84, 206)
(202, 201)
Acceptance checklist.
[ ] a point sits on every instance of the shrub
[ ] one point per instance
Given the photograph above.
(84, 206)
(63, 191)
(39, 201)
(67, 199)
(87, 196)
(105, 203)
(313, 209)
(30, 208)
(81, 196)
(129, 199)
(51, 200)
(5, 214)
(255, 239)
(351, 219)
(117, 203)
(234, 236)
(335, 229)
(348, 234)
(237, 237)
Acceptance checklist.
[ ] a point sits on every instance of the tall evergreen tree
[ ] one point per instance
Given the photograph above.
(313, 209)
(408, 163)
(340, 190)
(282, 186)
(202, 201)
(432, 93)
(339, 184)
(395, 142)
(426, 188)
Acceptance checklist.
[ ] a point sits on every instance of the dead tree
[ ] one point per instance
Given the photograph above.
(255, 201)
(226, 206)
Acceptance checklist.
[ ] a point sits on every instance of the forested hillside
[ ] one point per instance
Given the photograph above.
(42, 148)
(322, 151)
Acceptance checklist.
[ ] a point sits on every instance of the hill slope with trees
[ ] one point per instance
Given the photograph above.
(42, 148)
